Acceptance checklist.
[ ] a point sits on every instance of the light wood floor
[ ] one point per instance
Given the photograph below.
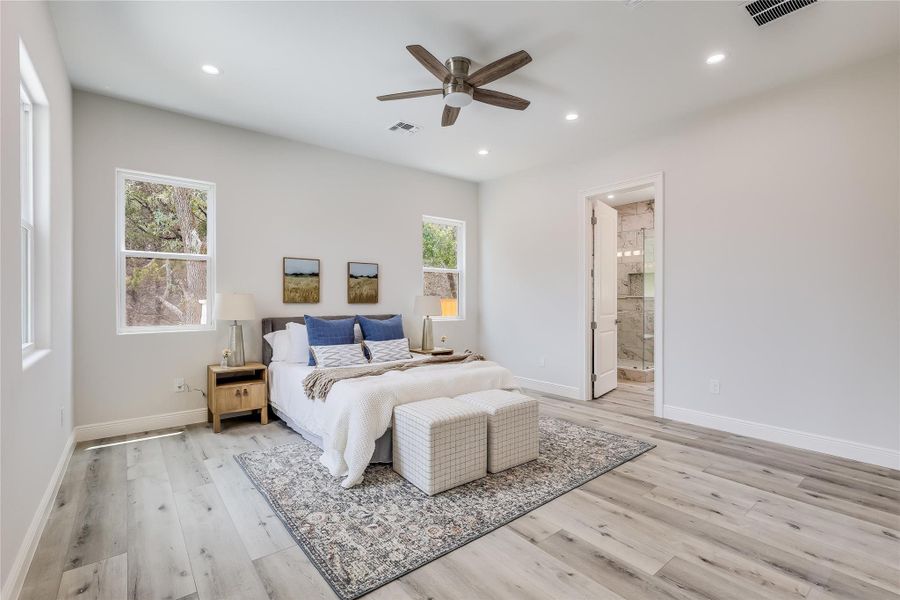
(705, 515)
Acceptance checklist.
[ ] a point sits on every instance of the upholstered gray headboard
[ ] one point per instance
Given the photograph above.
(270, 324)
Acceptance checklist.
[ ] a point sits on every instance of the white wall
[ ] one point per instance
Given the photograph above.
(32, 438)
(781, 258)
(275, 198)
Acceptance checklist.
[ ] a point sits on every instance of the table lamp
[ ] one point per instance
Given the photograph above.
(235, 307)
(428, 306)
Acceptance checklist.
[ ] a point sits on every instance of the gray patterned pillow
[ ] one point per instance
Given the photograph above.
(340, 355)
(388, 350)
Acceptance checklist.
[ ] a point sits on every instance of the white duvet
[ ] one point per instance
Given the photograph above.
(358, 411)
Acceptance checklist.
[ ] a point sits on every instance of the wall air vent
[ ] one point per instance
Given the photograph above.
(766, 11)
(404, 128)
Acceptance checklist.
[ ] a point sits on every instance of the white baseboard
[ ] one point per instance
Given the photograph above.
(883, 457)
(548, 387)
(16, 578)
(98, 431)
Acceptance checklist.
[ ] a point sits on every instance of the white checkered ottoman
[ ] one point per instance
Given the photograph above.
(440, 443)
(512, 427)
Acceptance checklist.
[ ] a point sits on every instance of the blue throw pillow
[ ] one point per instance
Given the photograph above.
(379, 330)
(325, 332)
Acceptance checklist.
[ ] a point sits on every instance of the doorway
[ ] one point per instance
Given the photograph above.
(623, 289)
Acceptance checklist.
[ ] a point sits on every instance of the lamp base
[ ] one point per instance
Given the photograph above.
(427, 335)
(236, 344)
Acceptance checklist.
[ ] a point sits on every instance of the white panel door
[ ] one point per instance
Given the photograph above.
(605, 306)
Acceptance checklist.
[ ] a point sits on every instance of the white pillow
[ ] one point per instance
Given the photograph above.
(280, 341)
(299, 344)
(388, 350)
(339, 355)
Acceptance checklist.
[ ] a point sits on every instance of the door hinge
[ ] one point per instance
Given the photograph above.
(593, 324)
(592, 273)
(593, 220)
(593, 377)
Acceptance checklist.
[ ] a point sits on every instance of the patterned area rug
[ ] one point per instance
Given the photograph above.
(362, 538)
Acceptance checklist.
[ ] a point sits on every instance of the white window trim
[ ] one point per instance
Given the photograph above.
(26, 190)
(121, 253)
(460, 269)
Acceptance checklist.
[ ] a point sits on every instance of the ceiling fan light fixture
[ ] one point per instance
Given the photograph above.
(210, 69)
(714, 59)
(572, 116)
(483, 152)
(458, 99)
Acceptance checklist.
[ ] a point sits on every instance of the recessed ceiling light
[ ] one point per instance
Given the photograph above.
(714, 59)
(571, 116)
(210, 69)
(484, 152)
(611, 196)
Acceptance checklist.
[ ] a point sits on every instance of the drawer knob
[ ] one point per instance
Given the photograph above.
(245, 391)
(237, 392)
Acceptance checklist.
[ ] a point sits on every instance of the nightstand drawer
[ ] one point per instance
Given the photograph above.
(247, 396)
(229, 398)
(254, 396)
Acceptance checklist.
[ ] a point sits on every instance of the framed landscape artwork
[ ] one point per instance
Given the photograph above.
(300, 280)
(362, 283)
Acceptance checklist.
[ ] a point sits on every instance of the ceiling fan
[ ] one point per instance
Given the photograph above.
(459, 88)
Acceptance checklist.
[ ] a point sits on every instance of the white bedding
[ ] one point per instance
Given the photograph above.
(287, 396)
(358, 411)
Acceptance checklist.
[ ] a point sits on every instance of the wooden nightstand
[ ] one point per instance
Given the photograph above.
(237, 389)
(434, 352)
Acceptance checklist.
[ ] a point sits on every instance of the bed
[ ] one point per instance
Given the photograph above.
(352, 424)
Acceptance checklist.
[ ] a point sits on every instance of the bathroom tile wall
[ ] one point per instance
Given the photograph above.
(635, 312)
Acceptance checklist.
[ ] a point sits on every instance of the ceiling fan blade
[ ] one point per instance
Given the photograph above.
(449, 116)
(499, 68)
(434, 66)
(500, 99)
(415, 94)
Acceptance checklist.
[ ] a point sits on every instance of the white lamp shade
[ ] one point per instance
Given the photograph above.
(427, 305)
(234, 307)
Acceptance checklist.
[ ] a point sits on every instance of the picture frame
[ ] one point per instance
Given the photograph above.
(300, 280)
(362, 283)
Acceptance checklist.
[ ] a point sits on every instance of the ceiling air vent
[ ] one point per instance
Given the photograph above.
(765, 11)
(404, 128)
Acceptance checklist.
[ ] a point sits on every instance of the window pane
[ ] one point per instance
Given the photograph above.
(164, 291)
(26, 286)
(445, 285)
(439, 245)
(164, 218)
(26, 158)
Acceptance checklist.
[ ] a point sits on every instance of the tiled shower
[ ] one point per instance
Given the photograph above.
(635, 290)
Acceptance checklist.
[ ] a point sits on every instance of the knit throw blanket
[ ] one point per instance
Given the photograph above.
(318, 383)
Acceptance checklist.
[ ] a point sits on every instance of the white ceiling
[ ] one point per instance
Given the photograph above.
(311, 71)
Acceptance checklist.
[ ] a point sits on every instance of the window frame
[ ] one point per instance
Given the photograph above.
(460, 269)
(122, 253)
(26, 205)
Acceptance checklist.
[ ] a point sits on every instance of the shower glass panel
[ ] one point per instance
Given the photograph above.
(649, 292)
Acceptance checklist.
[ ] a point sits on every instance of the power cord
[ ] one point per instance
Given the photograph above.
(188, 388)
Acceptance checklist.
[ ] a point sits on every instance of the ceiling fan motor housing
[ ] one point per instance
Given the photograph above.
(458, 93)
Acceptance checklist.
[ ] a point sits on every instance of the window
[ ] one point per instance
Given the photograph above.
(444, 264)
(26, 195)
(165, 243)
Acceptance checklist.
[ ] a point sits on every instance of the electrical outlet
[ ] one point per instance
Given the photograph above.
(542, 361)
(713, 386)
(179, 384)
